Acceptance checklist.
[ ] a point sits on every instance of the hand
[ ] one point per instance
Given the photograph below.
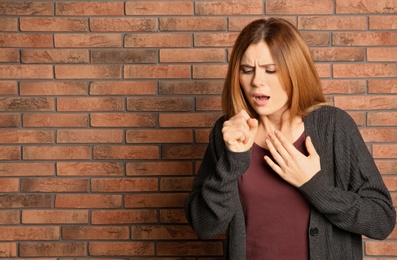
(293, 166)
(239, 132)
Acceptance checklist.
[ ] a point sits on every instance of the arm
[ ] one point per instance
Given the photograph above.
(355, 199)
(212, 202)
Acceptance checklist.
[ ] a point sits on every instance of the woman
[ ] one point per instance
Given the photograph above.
(286, 176)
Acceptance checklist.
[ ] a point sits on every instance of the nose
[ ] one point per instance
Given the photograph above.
(259, 79)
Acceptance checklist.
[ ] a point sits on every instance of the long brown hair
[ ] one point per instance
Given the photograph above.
(295, 67)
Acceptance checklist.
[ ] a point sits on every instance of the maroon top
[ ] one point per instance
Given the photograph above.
(276, 213)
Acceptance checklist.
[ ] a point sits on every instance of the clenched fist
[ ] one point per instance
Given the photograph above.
(239, 132)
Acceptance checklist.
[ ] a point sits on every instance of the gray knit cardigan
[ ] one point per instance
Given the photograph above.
(348, 197)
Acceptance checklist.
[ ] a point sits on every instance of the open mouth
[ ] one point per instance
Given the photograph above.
(260, 97)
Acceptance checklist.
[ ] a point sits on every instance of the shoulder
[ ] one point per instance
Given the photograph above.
(329, 114)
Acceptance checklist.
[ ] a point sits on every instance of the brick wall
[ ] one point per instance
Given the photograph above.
(106, 107)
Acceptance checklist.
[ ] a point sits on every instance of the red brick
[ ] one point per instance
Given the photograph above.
(364, 70)
(156, 71)
(88, 201)
(382, 54)
(382, 119)
(88, 72)
(43, 249)
(176, 184)
(159, 136)
(382, 86)
(17, 201)
(188, 248)
(208, 103)
(123, 56)
(382, 22)
(90, 104)
(124, 185)
(124, 216)
(87, 40)
(10, 153)
(198, 87)
(379, 134)
(163, 232)
(366, 102)
(122, 120)
(365, 6)
(29, 233)
(44, 88)
(385, 151)
(120, 248)
(9, 217)
(89, 9)
(323, 70)
(344, 86)
(27, 169)
(56, 152)
(55, 216)
(337, 54)
(9, 185)
(316, 38)
(54, 24)
(381, 248)
(158, 40)
(8, 249)
(89, 169)
(27, 136)
(123, 88)
(10, 120)
(26, 71)
(26, 8)
(391, 183)
(192, 55)
(126, 152)
(54, 185)
(214, 39)
(26, 40)
(159, 104)
(299, 7)
(9, 55)
(54, 56)
(90, 136)
(229, 8)
(364, 38)
(123, 24)
(332, 23)
(55, 120)
(188, 120)
(387, 166)
(358, 117)
(209, 71)
(154, 200)
(158, 168)
(8, 87)
(193, 24)
(182, 152)
(174, 216)
(27, 104)
(159, 8)
(237, 23)
(95, 233)
(202, 135)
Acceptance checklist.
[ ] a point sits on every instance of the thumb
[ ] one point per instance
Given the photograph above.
(310, 147)
(253, 124)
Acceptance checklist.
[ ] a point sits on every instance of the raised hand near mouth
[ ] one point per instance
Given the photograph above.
(239, 132)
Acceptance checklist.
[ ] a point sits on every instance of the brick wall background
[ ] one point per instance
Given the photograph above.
(106, 107)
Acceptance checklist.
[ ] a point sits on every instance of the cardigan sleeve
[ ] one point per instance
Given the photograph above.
(356, 199)
(214, 197)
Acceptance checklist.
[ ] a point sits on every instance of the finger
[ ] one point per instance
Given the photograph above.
(276, 143)
(273, 165)
(275, 153)
(253, 125)
(287, 145)
(310, 147)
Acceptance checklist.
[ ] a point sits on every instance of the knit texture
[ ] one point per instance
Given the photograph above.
(348, 196)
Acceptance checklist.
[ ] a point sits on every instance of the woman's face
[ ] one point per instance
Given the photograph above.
(260, 82)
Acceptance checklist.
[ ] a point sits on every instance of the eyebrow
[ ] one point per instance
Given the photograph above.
(260, 65)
